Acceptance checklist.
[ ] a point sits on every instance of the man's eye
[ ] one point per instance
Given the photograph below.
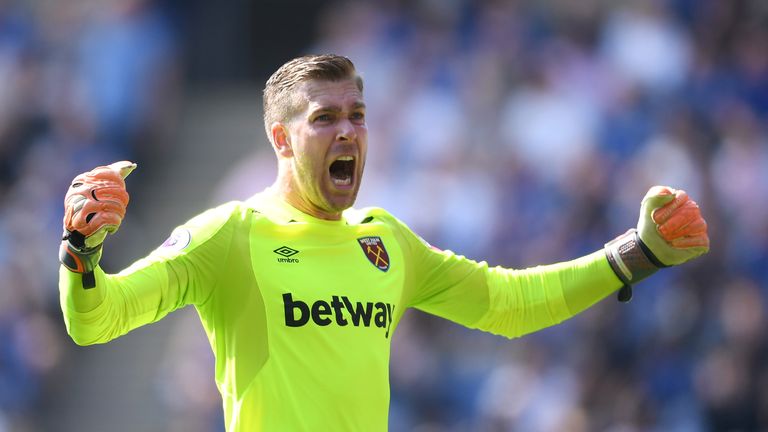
(357, 116)
(324, 118)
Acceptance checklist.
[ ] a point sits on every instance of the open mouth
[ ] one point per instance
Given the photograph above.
(342, 171)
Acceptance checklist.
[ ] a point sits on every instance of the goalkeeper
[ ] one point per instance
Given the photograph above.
(299, 293)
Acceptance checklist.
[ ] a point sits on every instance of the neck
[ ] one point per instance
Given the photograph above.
(290, 194)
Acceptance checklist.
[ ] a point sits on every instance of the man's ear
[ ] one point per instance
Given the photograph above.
(281, 140)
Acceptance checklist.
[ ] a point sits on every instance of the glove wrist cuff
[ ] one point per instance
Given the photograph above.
(79, 260)
(631, 260)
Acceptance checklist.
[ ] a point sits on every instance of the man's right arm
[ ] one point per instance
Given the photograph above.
(115, 305)
(99, 307)
(184, 270)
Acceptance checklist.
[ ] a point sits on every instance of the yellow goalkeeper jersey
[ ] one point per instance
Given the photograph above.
(300, 311)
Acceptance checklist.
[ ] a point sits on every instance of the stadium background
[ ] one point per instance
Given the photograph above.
(520, 132)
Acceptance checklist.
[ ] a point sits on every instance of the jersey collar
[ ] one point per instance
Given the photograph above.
(269, 203)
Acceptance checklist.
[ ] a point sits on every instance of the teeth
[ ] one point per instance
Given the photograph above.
(342, 182)
(345, 158)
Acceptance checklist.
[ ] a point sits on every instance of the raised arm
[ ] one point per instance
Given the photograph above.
(516, 302)
(94, 206)
(99, 307)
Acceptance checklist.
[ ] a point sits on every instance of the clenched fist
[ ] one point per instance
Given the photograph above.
(95, 205)
(670, 231)
(671, 225)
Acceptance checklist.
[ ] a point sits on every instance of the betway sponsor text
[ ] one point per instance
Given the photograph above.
(340, 310)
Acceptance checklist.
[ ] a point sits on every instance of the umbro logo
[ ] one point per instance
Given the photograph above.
(286, 253)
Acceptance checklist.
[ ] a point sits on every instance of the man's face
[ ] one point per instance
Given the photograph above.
(329, 140)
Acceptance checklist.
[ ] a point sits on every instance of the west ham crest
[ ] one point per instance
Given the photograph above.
(374, 249)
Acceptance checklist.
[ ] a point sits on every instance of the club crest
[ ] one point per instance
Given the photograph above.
(375, 251)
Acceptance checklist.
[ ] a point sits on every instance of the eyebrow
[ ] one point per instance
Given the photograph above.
(336, 108)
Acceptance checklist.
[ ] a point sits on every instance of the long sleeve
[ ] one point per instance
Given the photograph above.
(184, 270)
(524, 301)
(499, 300)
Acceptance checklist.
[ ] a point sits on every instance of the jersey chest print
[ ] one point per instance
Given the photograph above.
(358, 293)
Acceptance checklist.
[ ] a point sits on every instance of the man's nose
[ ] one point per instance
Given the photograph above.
(346, 131)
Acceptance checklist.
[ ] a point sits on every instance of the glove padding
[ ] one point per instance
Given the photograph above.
(670, 231)
(671, 226)
(95, 204)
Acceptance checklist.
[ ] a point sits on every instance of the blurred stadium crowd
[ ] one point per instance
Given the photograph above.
(80, 85)
(517, 132)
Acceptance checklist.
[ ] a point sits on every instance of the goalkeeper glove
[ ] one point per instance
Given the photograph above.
(93, 207)
(670, 231)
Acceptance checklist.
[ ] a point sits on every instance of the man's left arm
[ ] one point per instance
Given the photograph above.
(516, 302)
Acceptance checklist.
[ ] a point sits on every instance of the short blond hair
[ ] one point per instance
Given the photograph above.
(280, 101)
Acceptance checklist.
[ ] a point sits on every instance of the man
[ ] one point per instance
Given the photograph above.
(299, 294)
